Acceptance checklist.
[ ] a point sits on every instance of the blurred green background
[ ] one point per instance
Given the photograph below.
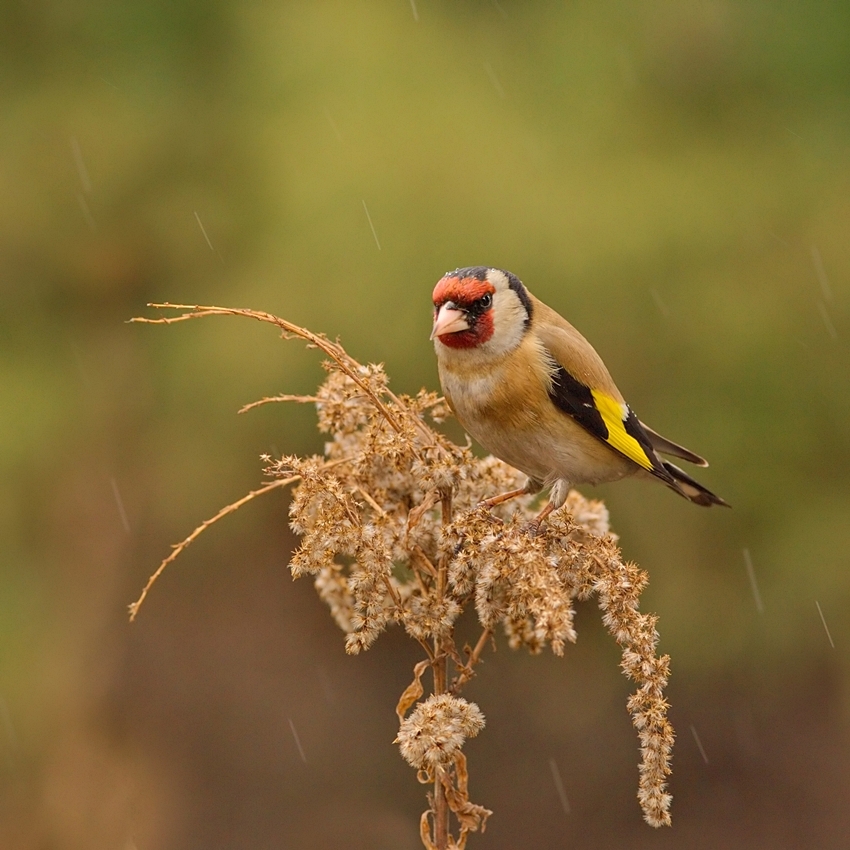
(672, 176)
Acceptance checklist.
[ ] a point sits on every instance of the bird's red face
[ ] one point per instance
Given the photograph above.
(463, 314)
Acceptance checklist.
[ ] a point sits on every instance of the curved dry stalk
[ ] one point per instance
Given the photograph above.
(179, 547)
(333, 349)
(302, 399)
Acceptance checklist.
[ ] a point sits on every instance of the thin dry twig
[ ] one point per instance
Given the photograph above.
(467, 670)
(333, 349)
(179, 547)
(302, 399)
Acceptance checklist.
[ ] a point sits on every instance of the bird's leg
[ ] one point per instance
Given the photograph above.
(530, 487)
(534, 526)
(502, 497)
(557, 497)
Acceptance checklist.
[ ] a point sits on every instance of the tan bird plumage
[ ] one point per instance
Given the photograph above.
(532, 390)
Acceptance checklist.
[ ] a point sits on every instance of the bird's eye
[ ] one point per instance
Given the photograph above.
(485, 301)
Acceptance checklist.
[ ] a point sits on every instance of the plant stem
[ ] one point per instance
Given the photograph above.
(468, 670)
(441, 805)
(443, 567)
(440, 667)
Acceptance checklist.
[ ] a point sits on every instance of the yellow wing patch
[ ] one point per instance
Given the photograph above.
(613, 414)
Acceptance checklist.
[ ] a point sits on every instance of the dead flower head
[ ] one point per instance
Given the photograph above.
(436, 730)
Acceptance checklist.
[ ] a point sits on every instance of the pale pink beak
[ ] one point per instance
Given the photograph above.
(449, 320)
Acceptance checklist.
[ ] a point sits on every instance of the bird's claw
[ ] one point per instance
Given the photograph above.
(486, 510)
(532, 529)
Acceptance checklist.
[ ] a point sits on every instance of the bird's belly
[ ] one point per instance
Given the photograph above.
(539, 440)
(570, 453)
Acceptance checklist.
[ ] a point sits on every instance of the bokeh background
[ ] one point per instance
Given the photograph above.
(672, 176)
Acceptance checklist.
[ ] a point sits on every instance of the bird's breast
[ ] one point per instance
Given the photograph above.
(507, 409)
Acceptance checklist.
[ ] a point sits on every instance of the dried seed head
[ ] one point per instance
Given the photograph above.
(372, 533)
(436, 729)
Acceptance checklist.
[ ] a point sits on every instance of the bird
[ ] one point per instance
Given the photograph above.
(527, 386)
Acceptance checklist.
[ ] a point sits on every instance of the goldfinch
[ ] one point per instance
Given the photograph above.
(532, 391)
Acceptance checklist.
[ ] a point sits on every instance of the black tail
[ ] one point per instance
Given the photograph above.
(692, 490)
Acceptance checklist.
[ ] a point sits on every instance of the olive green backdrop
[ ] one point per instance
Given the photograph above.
(672, 176)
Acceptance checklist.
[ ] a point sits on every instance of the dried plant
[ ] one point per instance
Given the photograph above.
(392, 533)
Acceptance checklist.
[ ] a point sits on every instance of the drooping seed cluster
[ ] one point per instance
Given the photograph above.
(391, 531)
(434, 732)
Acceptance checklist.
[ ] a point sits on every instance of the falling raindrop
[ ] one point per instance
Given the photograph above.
(120, 502)
(494, 79)
(297, 741)
(81, 166)
(559, 786)
(753, 583)
(825, 626)
(203, 230)
(820, 271)
(699, 744)
(369, 219)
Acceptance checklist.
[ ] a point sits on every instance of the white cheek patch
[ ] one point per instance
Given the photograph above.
(509, 322)
(499, 280)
